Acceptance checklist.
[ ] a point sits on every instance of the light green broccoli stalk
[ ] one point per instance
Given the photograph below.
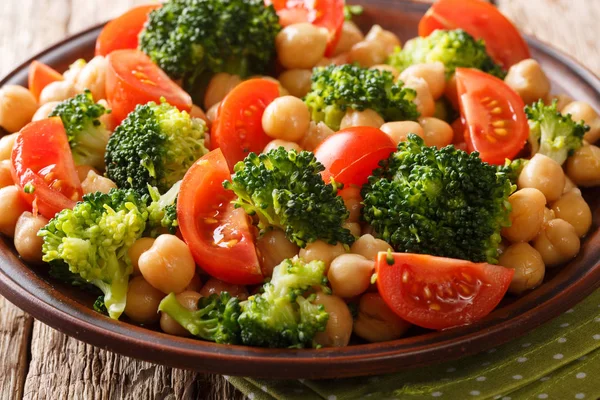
(162, 211)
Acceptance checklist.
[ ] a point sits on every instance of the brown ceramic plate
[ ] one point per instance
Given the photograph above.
(69, 310)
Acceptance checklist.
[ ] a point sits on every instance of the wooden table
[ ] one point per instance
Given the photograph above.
(37, 361)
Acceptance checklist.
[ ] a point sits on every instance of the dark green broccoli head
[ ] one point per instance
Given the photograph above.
(454, 49)
(284, 189)
(443, 202)
(155, 145)
(336, 89)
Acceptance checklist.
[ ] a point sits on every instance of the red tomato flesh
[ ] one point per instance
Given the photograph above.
(437, 292)
(40, 76)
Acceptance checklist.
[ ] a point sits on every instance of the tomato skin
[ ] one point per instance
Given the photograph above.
(440, 293)
(351, 155)
(205, 212)
(40, 76)
(494, 116)
(132, 79)
(481, 20)
(122, 32)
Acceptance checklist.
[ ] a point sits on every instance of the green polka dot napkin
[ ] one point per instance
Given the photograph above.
(559, 360)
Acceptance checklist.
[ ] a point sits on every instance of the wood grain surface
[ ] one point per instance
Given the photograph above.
(37, 362)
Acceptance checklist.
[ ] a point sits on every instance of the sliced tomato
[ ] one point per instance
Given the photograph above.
(42, 163)
(238, 130)
(218, 235)
(350, 155)
(483, 21)
(493, 114)
(132, 79)
(40, 76)
(437, 292)
(123, 31)
(328, 14)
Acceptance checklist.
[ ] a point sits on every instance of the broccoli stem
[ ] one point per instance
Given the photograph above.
(190, 320)
(115, 295)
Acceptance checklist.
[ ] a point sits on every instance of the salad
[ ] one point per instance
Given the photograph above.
(264, 173)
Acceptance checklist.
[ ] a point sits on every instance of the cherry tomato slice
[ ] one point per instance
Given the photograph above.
(437, 292)
(238, 130)
(218, 235)
(483, 21)
(132, 79)
(351, 155)
(40, 76)
(123, 31)
(494, 116)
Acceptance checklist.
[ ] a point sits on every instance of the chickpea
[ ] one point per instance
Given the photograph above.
(388, 68)
(570, 186)
(341, 59)
(367, 53)
(548, 215)
(300, 45)
(139, 247)
(436, 132)
(544, 174)
(529, 80)
(320, 250)
(315, 135)
(189, 300)
(350, 275)
(399, 130)
(526, 216)
(277, 143)
(273, 248)
(195, 284)
(27, 242)
(368, 246)
(196, 112)
(376, 322)
(367, 117)
(572, 208)
(352, 201)
(168, 265)
(93, 77)
(580, 110)
(84, 170)
(388, 39)
(557, 243)
(215, 286)
(74, 70)
(296, 81)
(286, 118)
(6, 145)
(211, 114)
(142, 301)
(424, 100)
(433, 73)
(583, 167)
(220, 84)
(561, 100)
(96, 183)
(350, 35)
(17, 106)
(528, 265)
(12, 205)
(339, 325)
(353, 227)
(57, 91)
(5, 174)
(44, 111)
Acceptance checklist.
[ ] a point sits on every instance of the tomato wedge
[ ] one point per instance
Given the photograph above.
(493, 114)
(328, 14)
(132, 79)
(238, 130)
(122, 32)
(41, 161)
(483, 21)
(437, 292)
(350, 155)
(218, 235)
(40, 76)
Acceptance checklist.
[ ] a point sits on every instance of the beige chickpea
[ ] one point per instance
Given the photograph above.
(93, 77)
(339, 325)
(581, 110)
(6, 145)
(350, 35)
(376, 322)
(369, 246)
(196, 112)
(436, 132)
(528, 265)
(215, 286)
(212, 112)
(57, 91)
(136, 250)
(219, 86)
(570, 186)
(367, 53)
(529, 81)
(17, 106)
(367, 117)
(74, 70)
(388, 68)
(84, 170)
(583, 167)
(544, 174)
(399, 130)
(273, 248)
(562, 100)
(27, 242)
(526, 216)
(388, 39)
(300, 45)
(316, 134)
(96, 183)
(187, 299)
(12, 205)
(341, 59)
(195, 284)
(572, 208)
(353, 227)
(352, 201)
(142, 301)
(277, 143)
(5, 174)
(424, 100)
(168, 265)
(433, 73)
(548, 215)
(557, 242)
(322, 251)
(296, 81)
(286, 118)
(44, 111)
(350, 275)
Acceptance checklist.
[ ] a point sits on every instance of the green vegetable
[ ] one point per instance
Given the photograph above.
(162, 211)
(336, 89)
(513, 168)
(351, 11)
(442, 202)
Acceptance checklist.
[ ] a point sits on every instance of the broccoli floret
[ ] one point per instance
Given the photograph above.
(553, 134)
(162, 211)
(442, 202)
(335, 89)
(192, 38)
(155, 145)
(351, 11)
(93, 239)
(99, 306)
(284, 189)
(513, 168)
(87, 135)
(454, 49)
